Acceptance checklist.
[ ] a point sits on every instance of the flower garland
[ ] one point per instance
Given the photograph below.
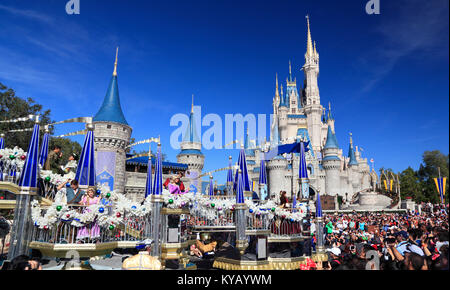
(55, 178)
(209, 208)
(114, 206)
(108, 213)
(12, 158)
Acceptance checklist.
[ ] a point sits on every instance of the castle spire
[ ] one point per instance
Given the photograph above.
(351, 152)
(290, 71)
(309, 47)
(191, 131)
(330, 116)
(276, 85)
(115, 63)
(331, 139)
(111, 110)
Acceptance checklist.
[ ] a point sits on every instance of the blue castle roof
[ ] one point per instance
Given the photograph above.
(331, 140)
(143, 161)
(191, 131)
(111, 111)
(190, 152)
(351, 155)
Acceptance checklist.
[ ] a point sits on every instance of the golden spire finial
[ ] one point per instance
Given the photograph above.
(115, 64)
(309, 48)
(192, 106)
(329, 107)
(351, 139)
(282, 89)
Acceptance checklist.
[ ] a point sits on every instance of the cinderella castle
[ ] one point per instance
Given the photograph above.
(298, 115)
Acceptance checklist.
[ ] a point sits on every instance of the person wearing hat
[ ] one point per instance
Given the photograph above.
(71, 165)
(335, 257)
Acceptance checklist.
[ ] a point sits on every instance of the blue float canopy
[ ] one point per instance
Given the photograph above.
(158, 184)
(43, 155)
(318, 206)
(230, 171)
(28, 178)
(302, 170)
(262, 172)
(86, 175)
(2, 142)
(242, 165)
(239, 188)
(148, 181)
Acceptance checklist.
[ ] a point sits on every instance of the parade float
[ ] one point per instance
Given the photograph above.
(43, 220)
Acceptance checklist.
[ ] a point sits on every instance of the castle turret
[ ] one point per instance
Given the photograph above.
(191, 153)
(276, 99)
(353, 167)
(282, 117)
(313, 108)
(112, 135)
(331, 163)
(351, 153)
(276, 169)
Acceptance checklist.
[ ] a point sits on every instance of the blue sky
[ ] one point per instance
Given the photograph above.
(385, 75)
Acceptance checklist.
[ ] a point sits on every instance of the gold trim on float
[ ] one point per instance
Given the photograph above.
(175, 211)
(230, 264)
(270, 264)
(274, 239)
(10, 187)
(286, 263)
(257, 232)
(319, 257)
(84, 250)
(173, 251)
(11, 204)
(7, 204)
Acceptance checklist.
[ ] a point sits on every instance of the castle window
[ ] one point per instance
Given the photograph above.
(108, 126)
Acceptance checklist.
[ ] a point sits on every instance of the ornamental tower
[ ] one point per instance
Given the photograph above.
(353, 167)
(331, 163)
(282, 116)
(311, 96)
(191, 153)
(111, 136)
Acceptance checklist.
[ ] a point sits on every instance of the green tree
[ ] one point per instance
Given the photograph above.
(12, 107)
(410, 185)
(67, 147)
(429, 169)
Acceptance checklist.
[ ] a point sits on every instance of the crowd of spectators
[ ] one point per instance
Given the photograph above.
(388, 241)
